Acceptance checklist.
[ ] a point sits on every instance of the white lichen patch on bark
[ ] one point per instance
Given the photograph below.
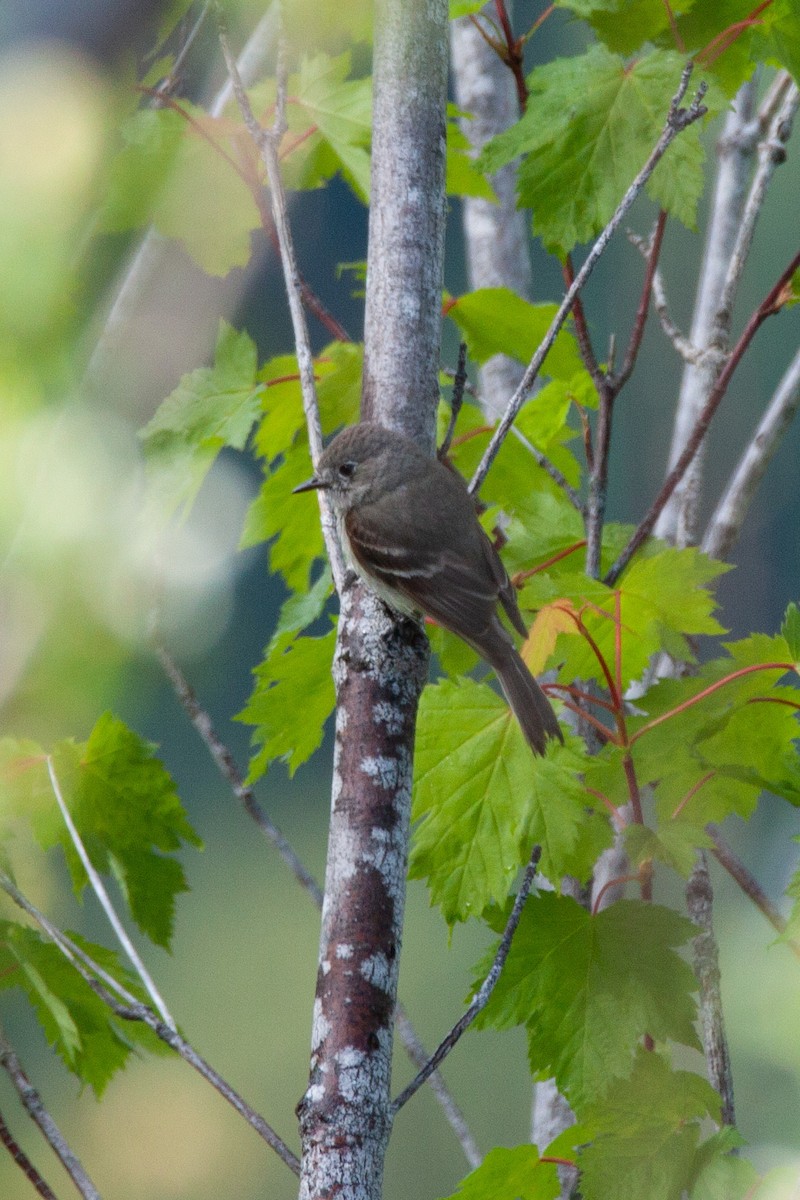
(378, 971)
(320, 1026)
(386, 772)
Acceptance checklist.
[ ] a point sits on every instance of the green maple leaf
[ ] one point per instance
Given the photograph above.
(511, 1173)
(91, 1042)
(590, 125)
(737, 42)
(497, 321)
(292, 522)
(293, 698)
(211, 407)
(650, 1123)
(472, 766)
(625, 25)
(129, 818)
(329, 123)
(482, 800)
(588, 987)
(169, 174)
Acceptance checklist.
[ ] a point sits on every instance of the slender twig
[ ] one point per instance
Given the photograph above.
(730, 513)
(705, 958)
(513, 57)
(582, 330)
(459, 383)
(680, 342)
(749, 885)
(34, 1106)
(23, 1162)
(226, 766)
(640, 321)
(128, 1008)
(771, 304)
(677, 120)
(419, 1056)
(481, 997)
(550, 469)
(170, 81)
(99, 890)
(267, 142)
(598, 479)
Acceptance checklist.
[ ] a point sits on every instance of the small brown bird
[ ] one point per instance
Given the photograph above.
(409, 528)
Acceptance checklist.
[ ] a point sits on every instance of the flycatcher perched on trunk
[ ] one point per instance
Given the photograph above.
(409, 528)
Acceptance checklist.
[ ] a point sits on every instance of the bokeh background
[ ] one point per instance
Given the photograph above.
(79, 577)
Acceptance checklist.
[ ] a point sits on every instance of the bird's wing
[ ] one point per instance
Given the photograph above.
(455, 588)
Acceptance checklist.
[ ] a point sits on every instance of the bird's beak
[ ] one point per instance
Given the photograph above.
(309, 485)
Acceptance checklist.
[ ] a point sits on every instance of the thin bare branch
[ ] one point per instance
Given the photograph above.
(551, 469)
(705, 957)
(749, 885)
(640, 321)
(227, 768)
(729, 515)
(455, 1117)
(659, 295)
(582, 331)
(677, 120)
(267, 142)
(735, 149)
(34, 1106)
(23, 1162)
(771, 304)
(170, 81)
(771, 154)
(481, 998)
(127, 1007)
(459, 383)
(99, 890)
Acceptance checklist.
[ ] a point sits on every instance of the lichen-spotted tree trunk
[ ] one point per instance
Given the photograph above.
(379, 667)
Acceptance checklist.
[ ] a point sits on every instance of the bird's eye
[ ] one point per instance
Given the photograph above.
(346, 469)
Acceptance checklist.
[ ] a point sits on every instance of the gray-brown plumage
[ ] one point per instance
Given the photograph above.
(409, 527)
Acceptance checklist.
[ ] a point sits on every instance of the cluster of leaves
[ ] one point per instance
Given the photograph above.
(588, 987)
(131, 823)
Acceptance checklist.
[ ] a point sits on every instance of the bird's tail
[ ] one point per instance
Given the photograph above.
(529, 703)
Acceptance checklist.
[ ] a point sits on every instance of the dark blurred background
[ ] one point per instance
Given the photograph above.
(241, 977)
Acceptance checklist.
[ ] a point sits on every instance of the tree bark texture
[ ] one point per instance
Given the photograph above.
(381, 663)
(495, 235)
(402, 319)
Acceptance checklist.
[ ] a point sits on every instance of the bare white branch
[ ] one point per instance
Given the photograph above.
(34, 1106)
(771, 153)
(735, 211)
(105, 902)
(730, 513)
(495, 231)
